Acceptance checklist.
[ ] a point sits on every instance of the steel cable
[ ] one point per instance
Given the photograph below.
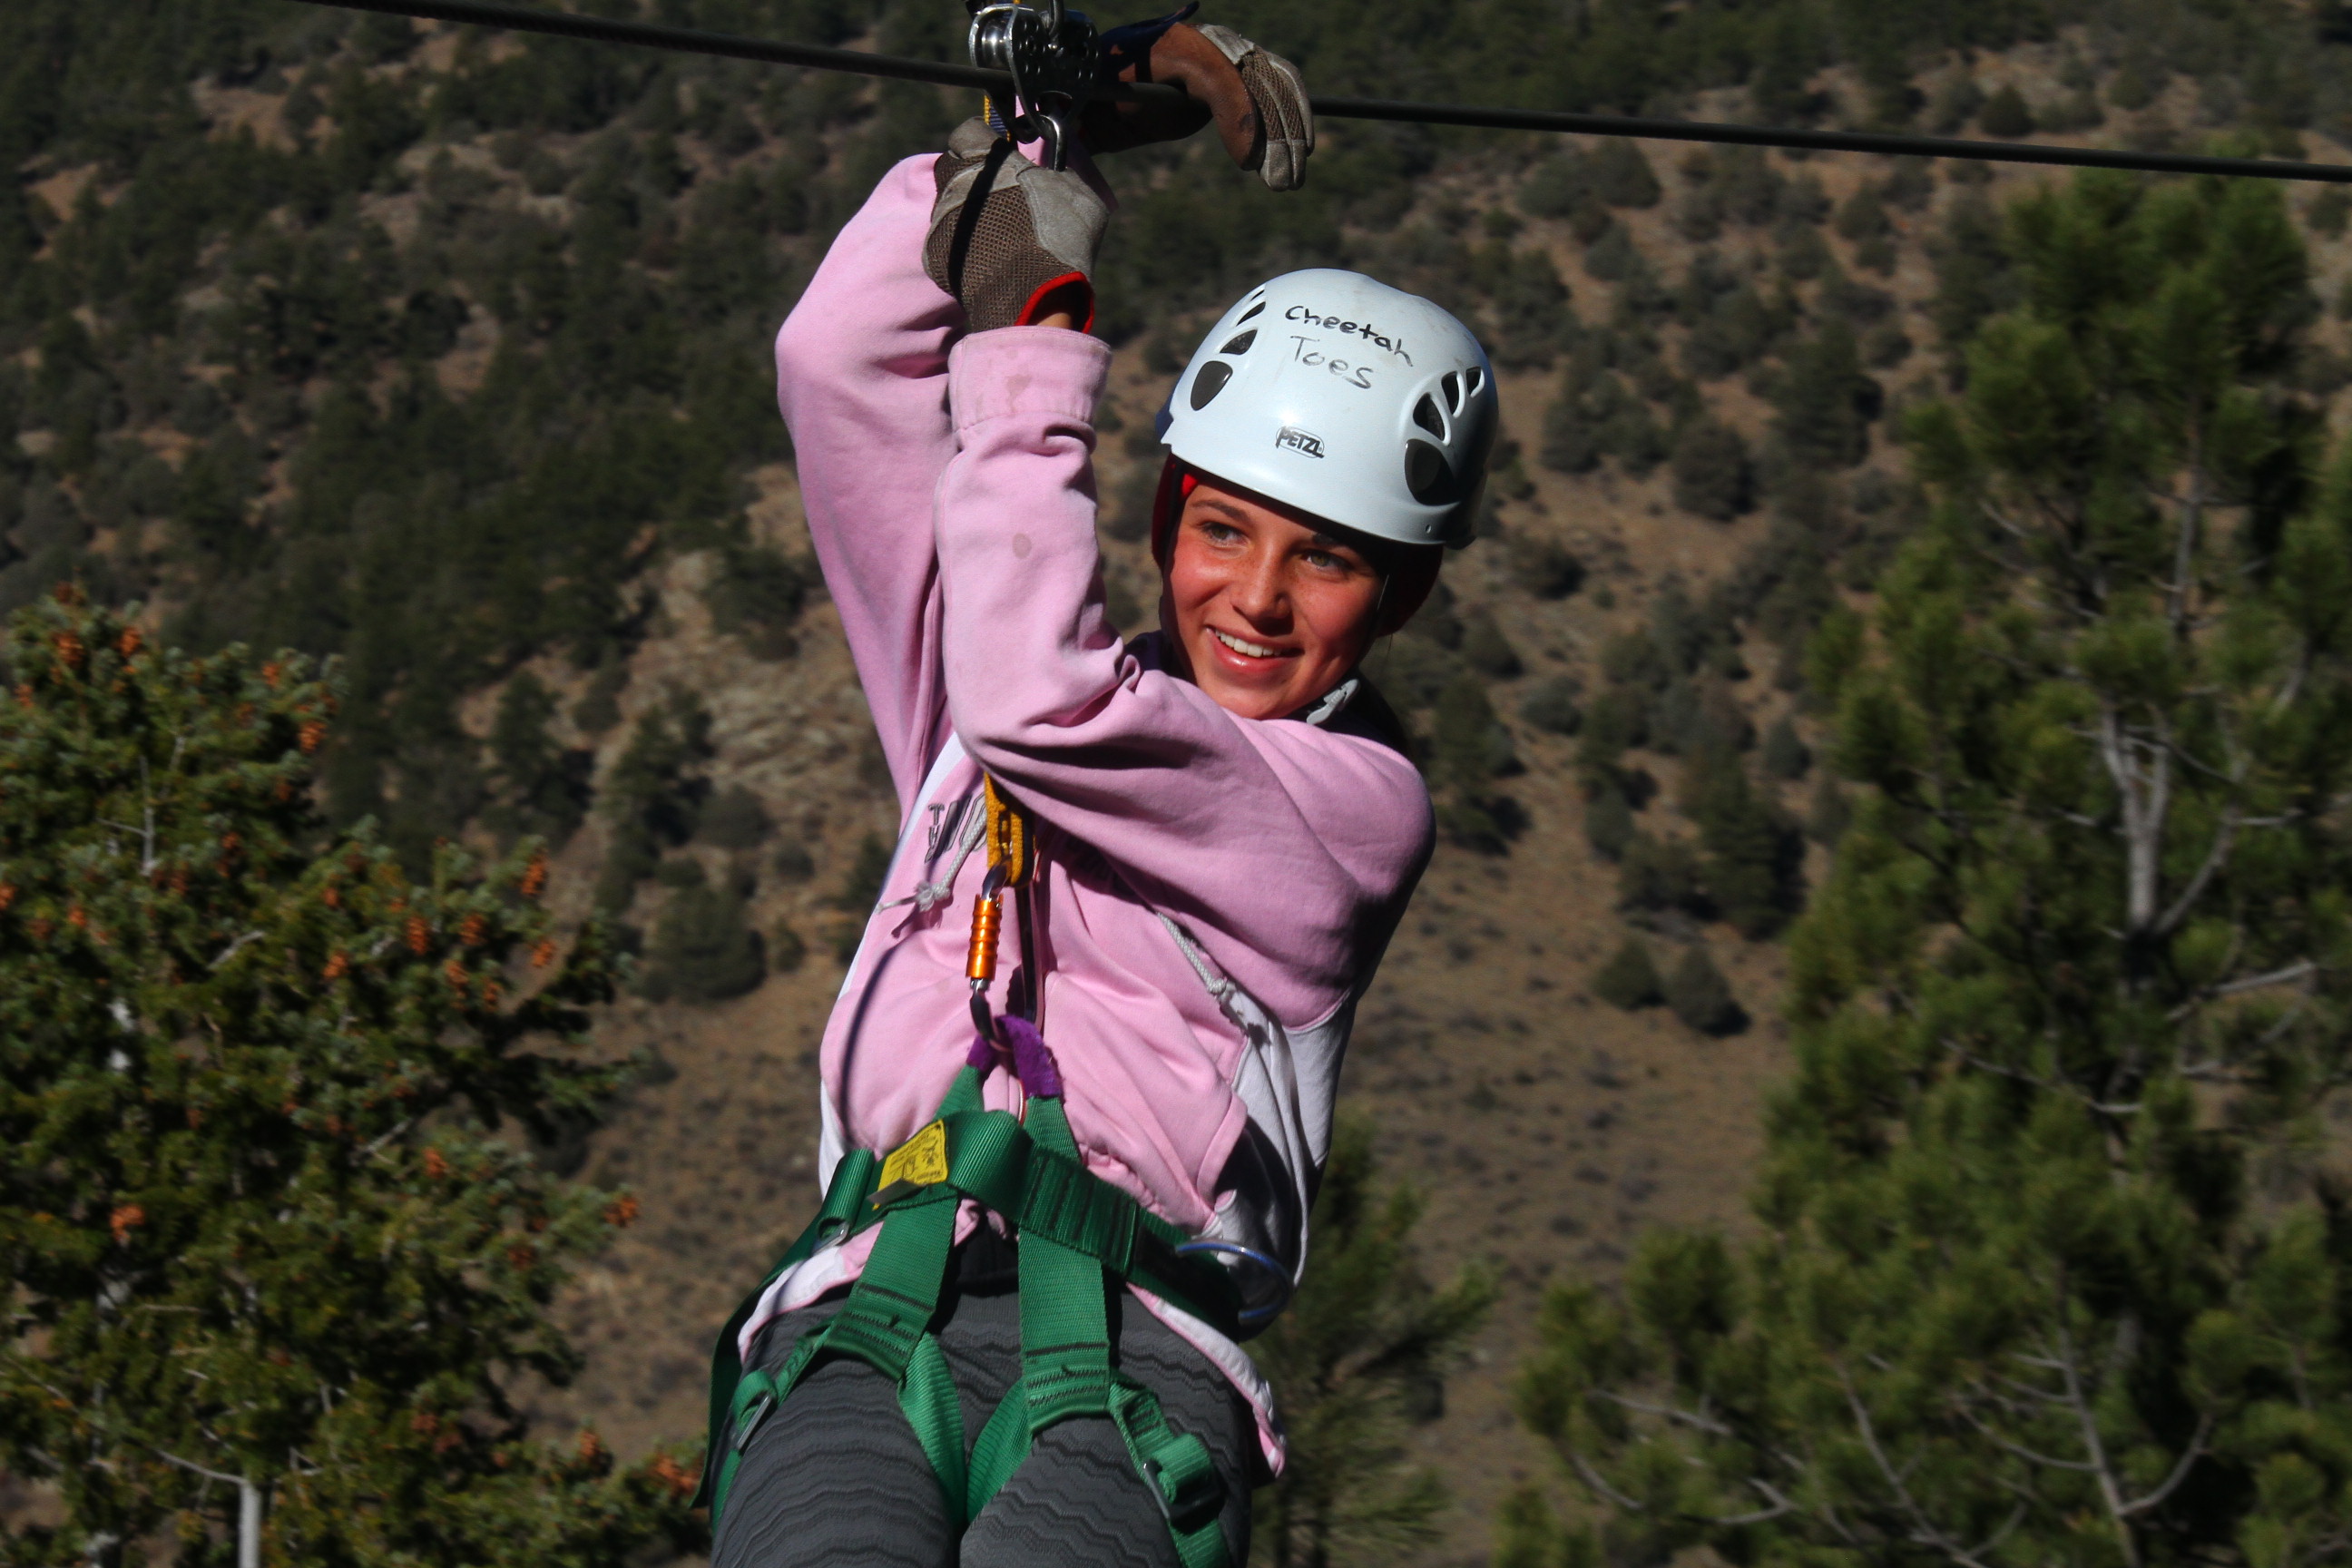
(816, 57)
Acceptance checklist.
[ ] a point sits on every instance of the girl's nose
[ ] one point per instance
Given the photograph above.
(1258, 590)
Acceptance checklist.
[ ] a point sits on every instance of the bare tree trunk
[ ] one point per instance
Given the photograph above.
(248, 1525)
(250, 1501)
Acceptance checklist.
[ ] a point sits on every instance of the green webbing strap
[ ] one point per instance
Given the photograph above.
(1072, 1227)
(1066, 1347)
(1177, 1468)
(852, 1183)
(1045, 1191)
(885, 1321)
(927, 1397)
(1065, 1324)
(1064, 1313)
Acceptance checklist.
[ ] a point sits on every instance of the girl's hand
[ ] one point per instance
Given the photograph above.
(1256, 98)
(1015, 244)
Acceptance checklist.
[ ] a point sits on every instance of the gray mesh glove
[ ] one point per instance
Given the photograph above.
(1032, 230)
(1255, 100)
(1279, 97)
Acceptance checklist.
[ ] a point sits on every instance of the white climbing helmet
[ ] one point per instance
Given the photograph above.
(1346, 398)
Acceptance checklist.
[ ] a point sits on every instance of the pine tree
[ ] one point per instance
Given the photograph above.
(2049, 1273)
(1754, 866)
(1712, 475)
(1826, 402)
(272, 1260)
(1361, 1351)
(545, 788)
(1469, 750)
(1698, 994)
(704, 949)
(1630, 979)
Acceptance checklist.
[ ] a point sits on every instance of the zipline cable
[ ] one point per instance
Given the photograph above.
(814, 56)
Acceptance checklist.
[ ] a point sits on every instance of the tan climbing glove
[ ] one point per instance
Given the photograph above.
(1008, 239)
(1255, 97)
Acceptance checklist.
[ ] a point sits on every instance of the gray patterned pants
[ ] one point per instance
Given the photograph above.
(834, 1477)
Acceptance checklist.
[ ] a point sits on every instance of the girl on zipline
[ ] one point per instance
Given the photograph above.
(1069, 1143)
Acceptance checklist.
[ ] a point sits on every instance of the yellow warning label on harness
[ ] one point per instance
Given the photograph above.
(922, 1161)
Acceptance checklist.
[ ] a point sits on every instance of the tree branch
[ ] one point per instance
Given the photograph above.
(1669, 1413)
(2301, 968)
(244, 941)
(2110, 1490)
(2028, 1454)
(2225, 839)
(1924, 1529)
(2194, 1452)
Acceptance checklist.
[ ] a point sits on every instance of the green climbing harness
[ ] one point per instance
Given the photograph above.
(1074, 1228)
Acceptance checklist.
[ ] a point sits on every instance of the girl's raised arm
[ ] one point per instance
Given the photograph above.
(861, 378)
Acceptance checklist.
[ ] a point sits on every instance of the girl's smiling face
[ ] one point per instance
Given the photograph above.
(1266, 607)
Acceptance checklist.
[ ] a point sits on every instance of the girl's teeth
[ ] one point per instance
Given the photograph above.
(1238, 646)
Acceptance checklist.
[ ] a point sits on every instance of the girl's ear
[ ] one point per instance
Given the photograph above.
(1176, 484)
(1409, 582)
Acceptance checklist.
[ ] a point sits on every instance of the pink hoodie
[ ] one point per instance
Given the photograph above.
(1215, 892)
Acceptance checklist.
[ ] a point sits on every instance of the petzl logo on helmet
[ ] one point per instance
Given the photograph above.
(1293, 439)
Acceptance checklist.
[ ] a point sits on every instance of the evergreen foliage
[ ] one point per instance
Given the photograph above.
(1621, 174)
(1553, 707)
(735, 820)
(1826, 402)
(1695, 992)
(1786, 756)
(265, 1241)
(1484, 647)
(1754, 866)
(1608, 822)
(2006, 114)
(1469, 750)
(1656, 876)
(2049, 1271)
(1545, 567)
(542, 786)
(1360, 1356)
(853, 902)
(654, 796)
(703, 948)
(1713, 476)
(1630, 978)
(757, 595)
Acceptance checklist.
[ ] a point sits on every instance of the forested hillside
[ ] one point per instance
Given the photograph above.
(444, 354)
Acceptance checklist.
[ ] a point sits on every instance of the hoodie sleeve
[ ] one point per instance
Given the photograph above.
(861, 378)
(1289, 849)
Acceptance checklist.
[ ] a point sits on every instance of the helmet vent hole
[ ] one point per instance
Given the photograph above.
(1425, 415)
(1474, 378)
(1241, 345)
(1210, 382)
(1256, 310)
(1452, 385)
(1429, 476)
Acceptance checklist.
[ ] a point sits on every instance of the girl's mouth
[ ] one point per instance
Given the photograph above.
(1246, 648)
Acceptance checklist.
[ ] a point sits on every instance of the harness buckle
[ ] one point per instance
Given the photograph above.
(892, 1193)
(751, 1419)
(1184, 1499)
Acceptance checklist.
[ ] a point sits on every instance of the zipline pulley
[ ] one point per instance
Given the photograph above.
(1054, 61)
